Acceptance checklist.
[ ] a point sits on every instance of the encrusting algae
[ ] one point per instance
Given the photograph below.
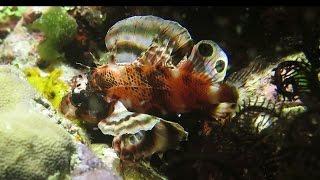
(50, 86)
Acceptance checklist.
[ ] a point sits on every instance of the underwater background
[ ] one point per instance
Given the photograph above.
(49, 130)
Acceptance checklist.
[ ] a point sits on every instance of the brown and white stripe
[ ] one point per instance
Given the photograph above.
(132, 36)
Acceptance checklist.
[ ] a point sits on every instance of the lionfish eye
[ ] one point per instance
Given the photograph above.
(132, 139)
(96, 105)
(205, 49)
(220, 65)
(78, 98)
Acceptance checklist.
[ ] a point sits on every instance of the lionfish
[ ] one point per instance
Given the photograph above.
(154, 70)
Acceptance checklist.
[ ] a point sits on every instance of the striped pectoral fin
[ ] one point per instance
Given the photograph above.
(122, 121)
(134, 35)
(165, 135)
(140, 135)
(125, 122)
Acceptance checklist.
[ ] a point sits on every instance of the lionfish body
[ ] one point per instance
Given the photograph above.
(161, 72)
(156, 88)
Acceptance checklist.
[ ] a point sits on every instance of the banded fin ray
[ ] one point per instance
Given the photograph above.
(138, 135)
(188, 66)
(156, 54)
(165, 135)
(134, 35)
(122, 121)
(238, 78)
(209, 58)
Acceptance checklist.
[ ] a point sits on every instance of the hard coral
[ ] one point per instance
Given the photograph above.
(14, 91)
(32, 147)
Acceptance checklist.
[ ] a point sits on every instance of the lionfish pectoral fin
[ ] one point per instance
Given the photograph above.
(209, 58)
(134, 35)
(138, 135)
(239, 78)
(142, 144)
(122, 121)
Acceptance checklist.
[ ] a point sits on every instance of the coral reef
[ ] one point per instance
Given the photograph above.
(19, 47)
(9, 16)
(32, 147)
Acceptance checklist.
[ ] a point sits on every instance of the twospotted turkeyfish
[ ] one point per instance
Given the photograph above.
(154, 69)
(151, 83)
(150, 86)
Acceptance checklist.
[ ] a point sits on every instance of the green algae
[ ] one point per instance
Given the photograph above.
(59, 29)
(51, 87)
(7, 12)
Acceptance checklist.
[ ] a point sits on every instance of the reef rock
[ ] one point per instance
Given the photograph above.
(90, 166)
